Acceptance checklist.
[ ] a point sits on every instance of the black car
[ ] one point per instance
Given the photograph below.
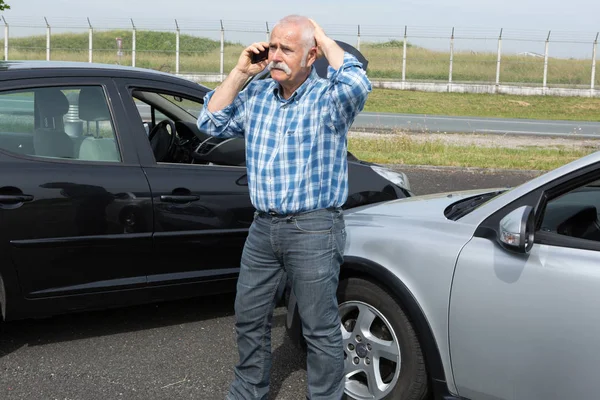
(111, 196)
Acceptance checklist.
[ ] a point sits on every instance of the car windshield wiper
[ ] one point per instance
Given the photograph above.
(465, 206)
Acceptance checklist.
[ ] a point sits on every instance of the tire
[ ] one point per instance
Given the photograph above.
(405, 377)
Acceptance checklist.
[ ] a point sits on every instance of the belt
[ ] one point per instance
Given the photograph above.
(275, 214)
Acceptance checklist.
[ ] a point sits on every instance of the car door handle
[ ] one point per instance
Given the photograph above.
(180, 199)
(16, 198)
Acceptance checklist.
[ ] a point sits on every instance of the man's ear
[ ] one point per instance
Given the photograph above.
(312, 56)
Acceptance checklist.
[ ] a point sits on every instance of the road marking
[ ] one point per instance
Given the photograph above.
(486, 120)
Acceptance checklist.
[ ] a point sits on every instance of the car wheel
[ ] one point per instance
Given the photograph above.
(383, 359)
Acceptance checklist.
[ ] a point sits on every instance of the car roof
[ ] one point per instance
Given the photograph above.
(40, 68)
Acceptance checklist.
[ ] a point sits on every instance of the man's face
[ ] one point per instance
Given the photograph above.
(286, 48)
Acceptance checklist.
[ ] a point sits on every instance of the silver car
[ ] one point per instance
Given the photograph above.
(487, 294)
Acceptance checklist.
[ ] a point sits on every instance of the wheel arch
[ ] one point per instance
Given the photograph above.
(360, 267)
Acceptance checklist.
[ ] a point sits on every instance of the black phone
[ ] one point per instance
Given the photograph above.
(263, 55)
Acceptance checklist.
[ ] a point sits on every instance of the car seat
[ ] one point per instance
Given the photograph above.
(50, 138)
(93, 108)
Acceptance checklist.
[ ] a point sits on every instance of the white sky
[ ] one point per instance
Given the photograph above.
(574, 20)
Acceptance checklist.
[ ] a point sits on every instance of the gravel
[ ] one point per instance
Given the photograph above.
(482, 140)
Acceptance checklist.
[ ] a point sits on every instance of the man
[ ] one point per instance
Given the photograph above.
(295, 128)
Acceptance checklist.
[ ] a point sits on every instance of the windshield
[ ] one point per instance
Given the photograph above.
(189, 106)
(462, 207)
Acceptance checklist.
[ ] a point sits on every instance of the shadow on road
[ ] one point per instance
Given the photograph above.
(77, 326)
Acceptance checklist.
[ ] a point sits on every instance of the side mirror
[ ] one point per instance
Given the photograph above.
(516, 230)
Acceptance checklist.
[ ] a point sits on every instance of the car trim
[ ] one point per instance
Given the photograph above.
(354, 266)
(80, 240)
(2, 299)
(208, 232)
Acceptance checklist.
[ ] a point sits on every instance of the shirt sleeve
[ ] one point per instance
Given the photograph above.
(349, 89)
(228, 122)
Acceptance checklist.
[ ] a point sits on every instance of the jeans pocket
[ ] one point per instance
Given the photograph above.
(322, 224)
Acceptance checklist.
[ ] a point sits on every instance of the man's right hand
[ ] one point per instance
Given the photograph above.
(225, 93)
(245, 65)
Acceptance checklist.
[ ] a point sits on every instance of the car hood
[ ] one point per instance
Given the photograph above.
(423, 207)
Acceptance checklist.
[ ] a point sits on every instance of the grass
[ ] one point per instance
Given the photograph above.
(484, 105)
(403, 149)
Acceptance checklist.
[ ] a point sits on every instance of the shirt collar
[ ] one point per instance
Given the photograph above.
(297, 95)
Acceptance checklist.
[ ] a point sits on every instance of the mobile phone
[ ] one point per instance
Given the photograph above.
(263, 55)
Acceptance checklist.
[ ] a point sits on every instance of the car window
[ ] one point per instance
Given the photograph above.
(146, 110)
(190, 106)
(575, 213)
(160, 113)
(58, 122)
(166, 112)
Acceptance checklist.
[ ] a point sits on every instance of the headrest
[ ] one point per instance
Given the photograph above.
(51, 102)
(92, 105)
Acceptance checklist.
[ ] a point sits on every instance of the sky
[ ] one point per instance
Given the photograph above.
(477, 23)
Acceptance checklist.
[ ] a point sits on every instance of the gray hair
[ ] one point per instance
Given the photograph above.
(308, 31)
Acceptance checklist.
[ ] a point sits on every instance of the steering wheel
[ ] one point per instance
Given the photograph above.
(161, 141)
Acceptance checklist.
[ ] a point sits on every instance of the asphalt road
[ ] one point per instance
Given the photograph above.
(501, 126)
(175, 350)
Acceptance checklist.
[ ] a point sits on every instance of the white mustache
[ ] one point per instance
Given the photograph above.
(279, 65)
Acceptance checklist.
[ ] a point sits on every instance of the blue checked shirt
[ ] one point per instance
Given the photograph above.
(296, 149)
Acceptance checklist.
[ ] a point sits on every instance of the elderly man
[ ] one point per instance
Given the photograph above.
(295, 127)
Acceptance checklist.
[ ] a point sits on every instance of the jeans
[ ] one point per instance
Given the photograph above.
(309, 248)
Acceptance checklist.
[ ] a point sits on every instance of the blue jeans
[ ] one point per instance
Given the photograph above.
(309, 248)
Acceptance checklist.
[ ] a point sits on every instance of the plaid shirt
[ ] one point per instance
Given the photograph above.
(296, 149)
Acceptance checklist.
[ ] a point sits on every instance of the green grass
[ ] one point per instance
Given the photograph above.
(385, 62)
(484, 105)
(405, 150)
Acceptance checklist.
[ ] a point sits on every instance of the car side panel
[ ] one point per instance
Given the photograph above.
(530, 320)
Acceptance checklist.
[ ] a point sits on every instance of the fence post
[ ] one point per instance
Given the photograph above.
(499, 58)
(451, 58)
(544, 87)
(177, 36)
(358, 39)
(594, 50)
(404, 56)
(47, 40)
(91, 48)
(133, 40)
(5, 39)
(268, 35)
(222, 51)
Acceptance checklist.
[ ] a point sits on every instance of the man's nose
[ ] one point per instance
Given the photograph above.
(275, 55)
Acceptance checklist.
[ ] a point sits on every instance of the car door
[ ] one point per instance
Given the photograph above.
(202, 212)
(75, 206)
(525, 326)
